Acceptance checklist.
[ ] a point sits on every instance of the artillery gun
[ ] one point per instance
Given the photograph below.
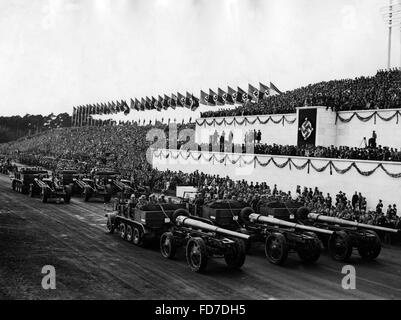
(25, 177)
(124, 188)
(140, 225)
(98, 185)
(348, 235)
(50, 188)
(202, 240)
(68, 177)
(279, 236)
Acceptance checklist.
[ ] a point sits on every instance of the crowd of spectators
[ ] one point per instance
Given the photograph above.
(382, 91)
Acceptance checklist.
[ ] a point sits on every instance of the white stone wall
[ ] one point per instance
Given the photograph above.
(271, 133)
(328, 132)
(351, 133)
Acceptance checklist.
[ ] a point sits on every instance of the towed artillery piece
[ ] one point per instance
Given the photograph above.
(348, 235)
(99, 185)
(202, 240)
(143, 224)
(68, 177)
(279, 236)
(49, 188)
(25, 177)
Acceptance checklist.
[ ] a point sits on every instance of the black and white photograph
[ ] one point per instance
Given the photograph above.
(212, 152)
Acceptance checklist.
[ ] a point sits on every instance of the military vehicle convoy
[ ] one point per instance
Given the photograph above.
(141, 224)
(97, 185)
(349, 235)
(280, 237)
(202, 240)
(35, 181)
(50, 188)
(171, 225)
(22, 179)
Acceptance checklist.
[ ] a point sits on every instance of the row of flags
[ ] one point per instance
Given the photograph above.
(231, 96)
(221, 98)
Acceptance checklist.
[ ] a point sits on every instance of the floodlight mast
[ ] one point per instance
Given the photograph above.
(390, 27)
(392, 17)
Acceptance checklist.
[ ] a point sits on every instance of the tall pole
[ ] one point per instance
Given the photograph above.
(389, 35)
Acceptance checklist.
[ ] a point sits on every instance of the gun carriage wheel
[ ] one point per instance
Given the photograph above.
(31, 192)
(44, 195)
(312, 253)
(276, 248)
(130, 233)
(168, 246)
(340, 246)
(137, 236)
(123, 230)
(235, 258)
(370, 250)
(196, 253)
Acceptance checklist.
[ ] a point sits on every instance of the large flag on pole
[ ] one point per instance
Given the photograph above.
(231, 96)
(126, 107)
(221, 97)
(137, 104)
(212, 97)
(264, 91)
(160, 103)
(166, 102)
(143, 104)
(180, 100)
(204, 98)
(154, 103)
(173, 101)
(148, 104)
(195, 104)
(242, 96)
(253, 93)
(274, 89)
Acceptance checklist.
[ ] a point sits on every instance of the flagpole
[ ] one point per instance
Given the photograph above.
(389, 35)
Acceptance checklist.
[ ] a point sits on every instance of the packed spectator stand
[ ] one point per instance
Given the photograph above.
(382, 91)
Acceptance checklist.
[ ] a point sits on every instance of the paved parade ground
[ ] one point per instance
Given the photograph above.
(91, 264)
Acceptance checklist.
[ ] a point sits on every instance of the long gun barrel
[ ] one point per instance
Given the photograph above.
(188, 222)
(277, 222)
(322, 218)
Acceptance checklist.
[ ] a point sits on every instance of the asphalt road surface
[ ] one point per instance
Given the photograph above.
(91, 264)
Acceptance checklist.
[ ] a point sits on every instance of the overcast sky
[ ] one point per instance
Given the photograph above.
(56, 54)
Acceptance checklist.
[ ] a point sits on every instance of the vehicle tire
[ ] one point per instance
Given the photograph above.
(311, 254)
(340, 246)
(67, 198)
(137, 236)
(276, 249)
(196, 254)
(110, 226)
(123, 230)
(44, 196)
(245, 213)
(87, 194)
(129, 233)
(31, 192)
(235, 259)
(179, 212)
(168, 246)
(370, 251)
